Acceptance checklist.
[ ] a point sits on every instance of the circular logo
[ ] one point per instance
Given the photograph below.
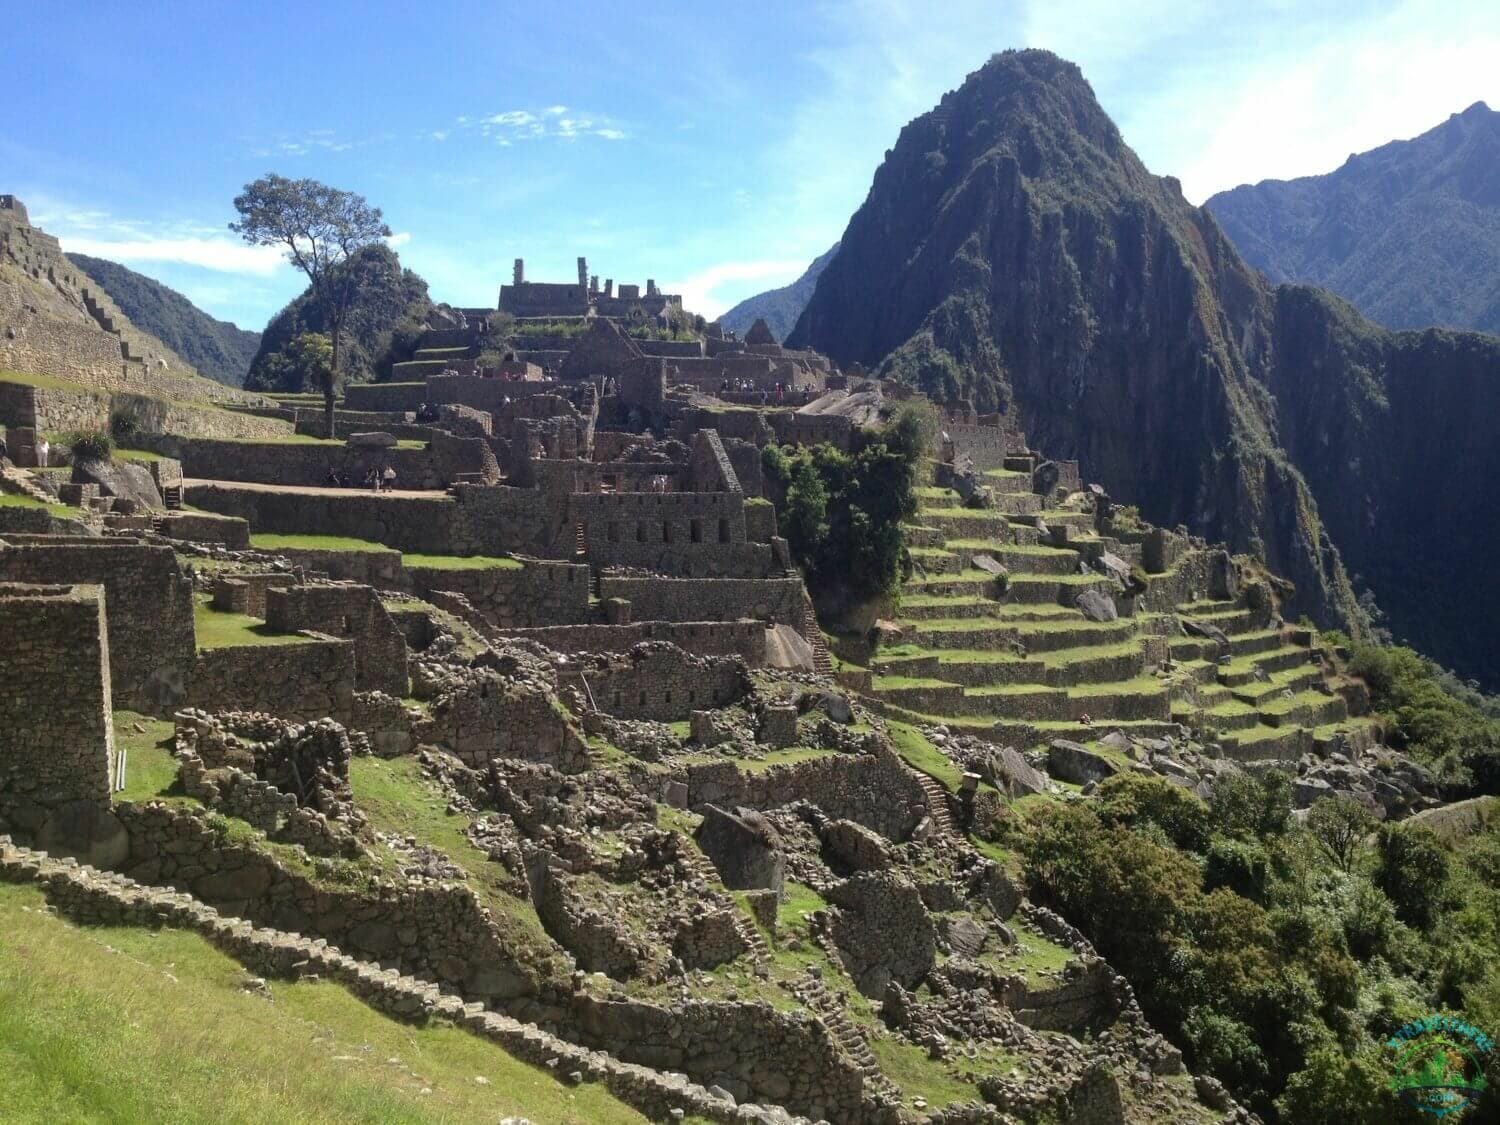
(1438, 1065)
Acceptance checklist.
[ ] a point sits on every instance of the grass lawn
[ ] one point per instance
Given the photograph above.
(218, 629)
(21, 500)
(43, 382)
(268, 542)
(150, 769)
(122, 1024)
(460, 562)
(922, 755)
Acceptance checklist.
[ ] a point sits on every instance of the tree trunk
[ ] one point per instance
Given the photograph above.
(331, 380)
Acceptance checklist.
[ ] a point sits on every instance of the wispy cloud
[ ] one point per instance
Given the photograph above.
(553, 121)
(223, 255)
(701, 291)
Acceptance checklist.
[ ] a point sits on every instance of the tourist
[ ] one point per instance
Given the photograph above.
(372, 482)
(389, 478)
(4, 450)
(42, 449)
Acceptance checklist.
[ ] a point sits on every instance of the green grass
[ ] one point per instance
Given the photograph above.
(142, 455)
(922, 755)
(460, 562)
(115, 1024)
(218, 629)
(270, 542)
(788, 756)
(398, 798)
(21, 500)
(43, 382)
(150, 769)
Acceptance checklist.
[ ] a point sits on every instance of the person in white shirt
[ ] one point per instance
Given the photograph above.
(42, 449)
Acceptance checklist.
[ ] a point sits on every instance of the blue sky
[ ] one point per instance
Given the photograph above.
(716, 148)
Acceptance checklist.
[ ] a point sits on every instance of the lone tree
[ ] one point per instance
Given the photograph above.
(321, 228)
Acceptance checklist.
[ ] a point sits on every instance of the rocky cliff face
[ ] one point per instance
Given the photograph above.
(1014, 251)
(1409, 232)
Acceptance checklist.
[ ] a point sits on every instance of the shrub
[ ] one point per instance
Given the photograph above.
(121, 424)
(91, 445)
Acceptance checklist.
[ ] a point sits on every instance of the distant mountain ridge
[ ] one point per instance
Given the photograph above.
(779, 308)
(1408, 232)
(217, 348)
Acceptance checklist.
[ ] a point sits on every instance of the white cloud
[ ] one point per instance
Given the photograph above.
(551, 121)
(1245, 93)
(223, 255)
(700, 290)
(440, 134)
(400, 238)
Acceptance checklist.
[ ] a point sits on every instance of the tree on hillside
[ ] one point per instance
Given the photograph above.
(321, 228)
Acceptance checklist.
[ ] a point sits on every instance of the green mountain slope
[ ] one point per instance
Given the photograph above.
(217, 348)
(1014, 251)
(1408, 232)
(381, 328)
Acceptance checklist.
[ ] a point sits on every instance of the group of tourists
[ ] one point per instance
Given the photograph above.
(376, 480)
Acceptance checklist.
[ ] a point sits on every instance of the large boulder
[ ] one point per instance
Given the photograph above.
(124, 480)
(374, 440)
(1012, 773)
(744, 849)
(1096, 605)
(1071, 761)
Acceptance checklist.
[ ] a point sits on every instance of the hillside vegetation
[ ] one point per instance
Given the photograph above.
(217, 348)
(382, 329)
(1408, 232)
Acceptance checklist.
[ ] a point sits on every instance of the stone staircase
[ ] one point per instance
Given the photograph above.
(937, 805)
(171, 495)
(815, 996)
(90, 896)
(21, 482)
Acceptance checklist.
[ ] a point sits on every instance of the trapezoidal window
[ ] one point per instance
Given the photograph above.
(723, 531)
(695, 531)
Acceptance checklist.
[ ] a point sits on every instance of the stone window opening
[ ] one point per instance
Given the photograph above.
(614, 531)
(723, 531)
(666, 531)
(640, 532)
(695, 531)
(643, 699)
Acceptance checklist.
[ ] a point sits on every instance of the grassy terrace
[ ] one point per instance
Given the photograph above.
(264, 541)
(218, 629)
(20, 500)
(125, 1024)
(399, 799)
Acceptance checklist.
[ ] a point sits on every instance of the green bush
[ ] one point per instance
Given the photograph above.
(91, 445)
(121, 424)
(842, 512)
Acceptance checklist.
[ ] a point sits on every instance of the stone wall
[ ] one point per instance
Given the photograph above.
(56, 733)
(305, 464)
(874, 789)
(346, 610)
(302, 680)
(745, 639)
(246, 593)
(148, 603)
(660, 681)
(199, 527)
(385, 397)
(437, 930)
(535, 593)
(55, 410)
(485, 718)
(777, 600)
(988, 446)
